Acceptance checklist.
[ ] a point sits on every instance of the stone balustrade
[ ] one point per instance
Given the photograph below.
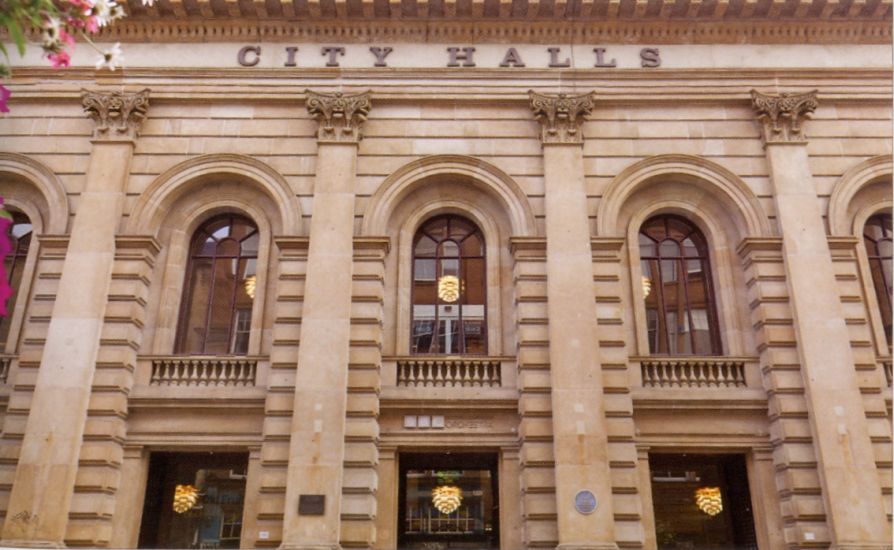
(6, 362)
(688, 372)
(203, 371)
(449, 372)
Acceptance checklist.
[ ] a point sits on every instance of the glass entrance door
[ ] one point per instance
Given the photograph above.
(194, 500)
(448, 501)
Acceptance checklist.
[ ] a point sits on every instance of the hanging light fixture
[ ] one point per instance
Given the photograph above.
(448, 288)
(185, 497)
(250, 283)
(446, 498)
(647, 287)
(708, 500)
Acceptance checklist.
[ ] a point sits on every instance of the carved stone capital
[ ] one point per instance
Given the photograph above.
(561, 116)
(782, 116)
(339, 116)
(117, 115)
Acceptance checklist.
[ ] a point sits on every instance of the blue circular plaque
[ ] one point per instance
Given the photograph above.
(585, 502)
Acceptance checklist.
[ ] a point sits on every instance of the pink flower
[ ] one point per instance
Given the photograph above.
(60, 59)
(66, 38)
(92, 24)
(4, 95)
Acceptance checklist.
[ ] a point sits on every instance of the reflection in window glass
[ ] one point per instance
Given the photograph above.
(20, 232)
(449, 288)
(221, 282)
(194, 500)
(449, 502)
(877, 239)
(680, 310)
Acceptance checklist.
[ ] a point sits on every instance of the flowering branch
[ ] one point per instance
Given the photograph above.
(59, 23)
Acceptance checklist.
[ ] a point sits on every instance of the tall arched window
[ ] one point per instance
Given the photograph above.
(877, 238)
(449, 288)
(20, 237)
(215, 318)
(680, 311)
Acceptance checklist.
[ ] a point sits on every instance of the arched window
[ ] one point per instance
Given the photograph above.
(449, 288)
(20, 238)
(680, 311)
(877, 238)
(215, 318)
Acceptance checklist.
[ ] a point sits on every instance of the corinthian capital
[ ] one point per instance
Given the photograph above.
(782, 116)
(561, 116)
(339, 116)
(117, 115)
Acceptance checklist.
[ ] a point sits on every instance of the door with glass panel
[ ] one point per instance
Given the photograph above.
(448, 501)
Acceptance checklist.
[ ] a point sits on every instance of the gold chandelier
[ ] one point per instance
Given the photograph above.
(185, 497)
(708, 500)
(647, 287)
(251, 283)
(446, 498)
(448, 288)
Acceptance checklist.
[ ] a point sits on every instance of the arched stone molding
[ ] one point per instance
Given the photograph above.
(166, 190)
(716, 184)
(36, 191)
(185, 197)
(862, 191)
(715, 200)
(461, 169)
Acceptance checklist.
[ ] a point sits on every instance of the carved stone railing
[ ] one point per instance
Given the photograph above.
(203, 371)
(686, 372)
(5, 364)
(449, 373)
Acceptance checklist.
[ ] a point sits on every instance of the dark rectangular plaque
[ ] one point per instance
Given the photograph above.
(311, 505)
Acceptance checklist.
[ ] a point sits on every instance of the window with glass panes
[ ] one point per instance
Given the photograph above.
(877, 239)
(449, 294)
(221, 278)
(676, 281)
(20, 232)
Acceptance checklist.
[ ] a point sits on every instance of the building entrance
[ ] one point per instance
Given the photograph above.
(448, 501)
(194, 500)
(702, 501)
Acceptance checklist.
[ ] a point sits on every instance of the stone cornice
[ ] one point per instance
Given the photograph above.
(782, 116)
(117, 116)
(340, 117)
(561, 116)
(732, 29)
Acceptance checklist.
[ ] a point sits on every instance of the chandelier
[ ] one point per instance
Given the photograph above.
(251, 283)
(708, 500)
(185, 497)
(448, 288)
(647, 287)
(446, 498)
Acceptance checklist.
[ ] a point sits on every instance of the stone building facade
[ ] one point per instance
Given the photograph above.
(442, 274)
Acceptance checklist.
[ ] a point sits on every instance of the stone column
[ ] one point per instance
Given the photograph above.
(317, 439)
(48, 463)
(579, 430)
(845, 458)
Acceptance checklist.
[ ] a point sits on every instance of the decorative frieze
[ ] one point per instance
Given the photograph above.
(340, 116)
(782, 116)
(117, 115)
(561, 116)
